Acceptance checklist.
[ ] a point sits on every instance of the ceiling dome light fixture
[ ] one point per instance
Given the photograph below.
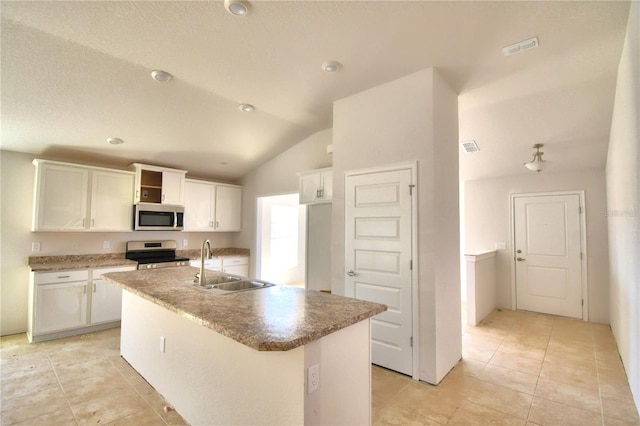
(237, 7)
(246, 107)
(537, 164)
(161, 76)
(331, 66)
(115, 141)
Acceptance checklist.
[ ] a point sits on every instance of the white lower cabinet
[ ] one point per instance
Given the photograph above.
(236, 265)
(64, 303)
(60, 306)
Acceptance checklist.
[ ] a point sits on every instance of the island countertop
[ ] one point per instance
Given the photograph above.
(277, 318)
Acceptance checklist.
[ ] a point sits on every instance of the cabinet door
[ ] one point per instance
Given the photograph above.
(172, 188)
(60, 307)
(198, 206)
(228, 208)
(111, 201)
(326, 178)
(106, 302)
(309, 186)
(61, 198)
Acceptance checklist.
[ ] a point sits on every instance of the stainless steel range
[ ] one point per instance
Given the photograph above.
(154, 254)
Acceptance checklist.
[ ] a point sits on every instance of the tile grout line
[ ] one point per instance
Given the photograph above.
(73, 413)
(136, 391)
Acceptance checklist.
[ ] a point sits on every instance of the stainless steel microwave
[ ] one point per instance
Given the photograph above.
(158, 217)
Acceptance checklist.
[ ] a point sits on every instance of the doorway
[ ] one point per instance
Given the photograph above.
(281, 240)
(549, 258)
(379, 237)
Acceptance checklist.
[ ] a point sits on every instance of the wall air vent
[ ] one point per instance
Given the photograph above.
(469, 146)
(520, 47)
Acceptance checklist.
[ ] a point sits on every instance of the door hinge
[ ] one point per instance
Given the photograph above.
(580, 255)
(411, 341)
(411, 265)
(582, 302)
(579, 209)
(411, 189)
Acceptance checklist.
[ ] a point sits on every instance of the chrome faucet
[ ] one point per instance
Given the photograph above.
(205, 253)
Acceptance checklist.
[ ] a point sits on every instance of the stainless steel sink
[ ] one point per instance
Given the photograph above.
(213, 279)
(225, 284)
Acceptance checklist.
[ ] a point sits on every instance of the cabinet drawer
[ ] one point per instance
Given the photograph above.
(232, 261)
(61, 276)
(214, 263)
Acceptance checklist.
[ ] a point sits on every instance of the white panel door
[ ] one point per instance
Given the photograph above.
(548, 245)
(172, 188)
(378, 254)
(106, 302)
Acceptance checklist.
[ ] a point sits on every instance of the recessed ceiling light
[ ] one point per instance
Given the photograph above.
(224, 162)
(331, 66)
(161, 76)
(246, 107)
(115, 141)
(237, 7)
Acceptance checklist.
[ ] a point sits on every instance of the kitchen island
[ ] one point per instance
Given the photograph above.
(248, 357)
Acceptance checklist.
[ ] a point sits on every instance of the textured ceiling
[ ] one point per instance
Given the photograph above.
(76, 73)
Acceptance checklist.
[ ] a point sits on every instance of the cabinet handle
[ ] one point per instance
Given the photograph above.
(83, 222)
(210, 224)
(137, 195)
(85, 289)
(93, 223)
(64, 276)
(163, 197)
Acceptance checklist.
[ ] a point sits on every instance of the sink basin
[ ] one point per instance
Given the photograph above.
(225, 284)
(213, 279)
(242, 285)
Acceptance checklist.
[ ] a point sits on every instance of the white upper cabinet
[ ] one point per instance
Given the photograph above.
(71, 197)
(228, 208)
(111, 201)
(316, 186)
(198, 205)
(212, 207)
(159, 184)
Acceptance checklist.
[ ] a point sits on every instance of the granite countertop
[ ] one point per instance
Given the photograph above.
(90, 261)
(277, 318)
(84, 261)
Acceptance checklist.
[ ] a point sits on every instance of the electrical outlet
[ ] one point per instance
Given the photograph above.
(313, 378)
(35, 246)
(163, 343)
(106, 244)
(185, 243)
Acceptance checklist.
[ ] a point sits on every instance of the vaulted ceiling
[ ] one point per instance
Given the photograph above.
(76, 73)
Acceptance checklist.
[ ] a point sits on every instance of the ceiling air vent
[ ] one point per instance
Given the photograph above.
(520, 46)
(469, 146)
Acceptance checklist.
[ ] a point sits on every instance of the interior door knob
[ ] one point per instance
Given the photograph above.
(520, 259)
(351, 273)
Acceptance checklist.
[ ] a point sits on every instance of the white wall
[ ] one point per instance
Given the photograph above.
(623, 198)
(487, 216)
(278, 176)
(16, 203)
(413, 118)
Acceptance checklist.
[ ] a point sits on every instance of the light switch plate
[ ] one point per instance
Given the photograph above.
(35, 246)
(501, 246)
(106, 244)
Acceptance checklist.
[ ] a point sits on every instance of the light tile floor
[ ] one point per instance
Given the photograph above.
(517, 368)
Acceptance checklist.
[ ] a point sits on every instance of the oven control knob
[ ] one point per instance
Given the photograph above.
(153, 266)
(148, 266)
